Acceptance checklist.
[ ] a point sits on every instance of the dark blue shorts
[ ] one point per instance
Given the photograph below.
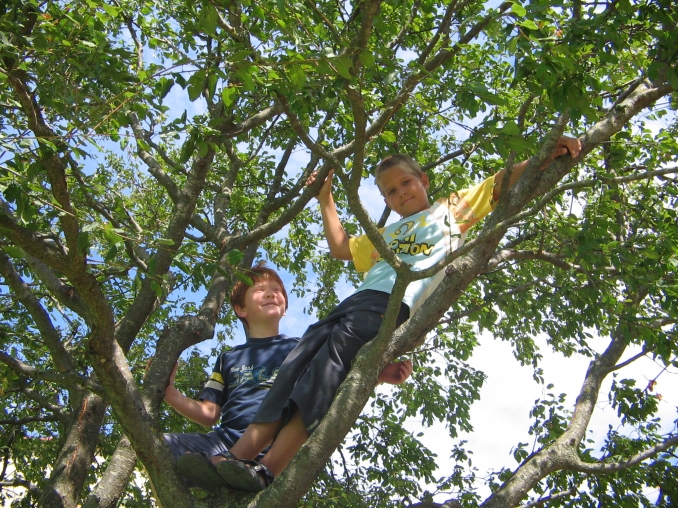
(210, 444)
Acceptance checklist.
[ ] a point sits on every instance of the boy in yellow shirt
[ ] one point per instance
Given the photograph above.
(311, 374)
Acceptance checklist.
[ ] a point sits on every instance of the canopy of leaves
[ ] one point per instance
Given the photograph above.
(150, 151)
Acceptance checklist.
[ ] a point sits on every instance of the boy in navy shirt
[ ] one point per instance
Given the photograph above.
(240, 379)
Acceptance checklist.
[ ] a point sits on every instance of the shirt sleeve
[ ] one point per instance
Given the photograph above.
(215, 389)
(470, 205)
(365, 256)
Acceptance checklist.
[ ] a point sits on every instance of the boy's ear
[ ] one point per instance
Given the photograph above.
(425, 181)
(389, 206)
(240, 311)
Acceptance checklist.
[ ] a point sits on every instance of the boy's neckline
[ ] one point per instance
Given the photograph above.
(255, 339)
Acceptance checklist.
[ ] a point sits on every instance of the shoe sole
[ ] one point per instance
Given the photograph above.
(238, 476)
(200, 472)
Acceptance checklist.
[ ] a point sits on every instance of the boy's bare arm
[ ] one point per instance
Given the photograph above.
(337, 239)
(204, 412)
(563, 146)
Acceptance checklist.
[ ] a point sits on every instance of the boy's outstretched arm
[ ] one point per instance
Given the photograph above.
(396, 373)
(563, 146)
(203, 412)
(337, 239)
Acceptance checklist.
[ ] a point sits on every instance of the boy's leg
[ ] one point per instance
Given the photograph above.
(251, 476)
(256, 437)
(286, 444)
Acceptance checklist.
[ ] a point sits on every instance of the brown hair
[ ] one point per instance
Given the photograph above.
(256, 273)
(400, 160)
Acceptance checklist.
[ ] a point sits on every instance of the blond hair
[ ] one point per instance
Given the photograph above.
(397, 160)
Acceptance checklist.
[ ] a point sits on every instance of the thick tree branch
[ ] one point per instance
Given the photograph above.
(115, 479)
(65, 294)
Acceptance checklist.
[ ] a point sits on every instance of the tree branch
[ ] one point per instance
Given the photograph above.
(75, 381)
(612, 467)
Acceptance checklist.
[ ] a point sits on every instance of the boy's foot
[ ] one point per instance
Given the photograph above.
(247, 475)
(200, 472)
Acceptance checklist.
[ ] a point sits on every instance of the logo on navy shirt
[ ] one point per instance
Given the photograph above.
(252, 375)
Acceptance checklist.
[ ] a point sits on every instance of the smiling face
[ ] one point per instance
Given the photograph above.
(404, 192)
(264, 302)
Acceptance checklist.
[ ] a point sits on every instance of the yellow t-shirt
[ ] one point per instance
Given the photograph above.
(422, 240)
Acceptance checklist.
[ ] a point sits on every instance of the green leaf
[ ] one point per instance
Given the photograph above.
(234, 257)
(111, 236)
(367, 59)
(111, 254)
(203, 148)
(110, 10)
(528, 23)
(182, 266)
(187, 150)
(144, 145)
(194, 90)
(388, 136)
(157, 288)
(228, 95)
(244, 278)
(83, 243)
(343, 66)
(152, 265)
(239, 56)
(209, 19)
(212, 81)
(297, 76)
(14, 252)
(164, 86)
(518, 9)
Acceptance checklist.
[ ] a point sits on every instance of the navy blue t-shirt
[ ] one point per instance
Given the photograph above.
(240, 380)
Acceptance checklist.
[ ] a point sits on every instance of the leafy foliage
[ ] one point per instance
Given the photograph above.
(151, 151)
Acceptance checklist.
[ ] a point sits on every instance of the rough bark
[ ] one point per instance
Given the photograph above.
(115, 479)
(76, 455)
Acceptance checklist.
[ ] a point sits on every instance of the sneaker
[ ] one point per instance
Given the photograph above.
(199, 471)
(245, 475)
